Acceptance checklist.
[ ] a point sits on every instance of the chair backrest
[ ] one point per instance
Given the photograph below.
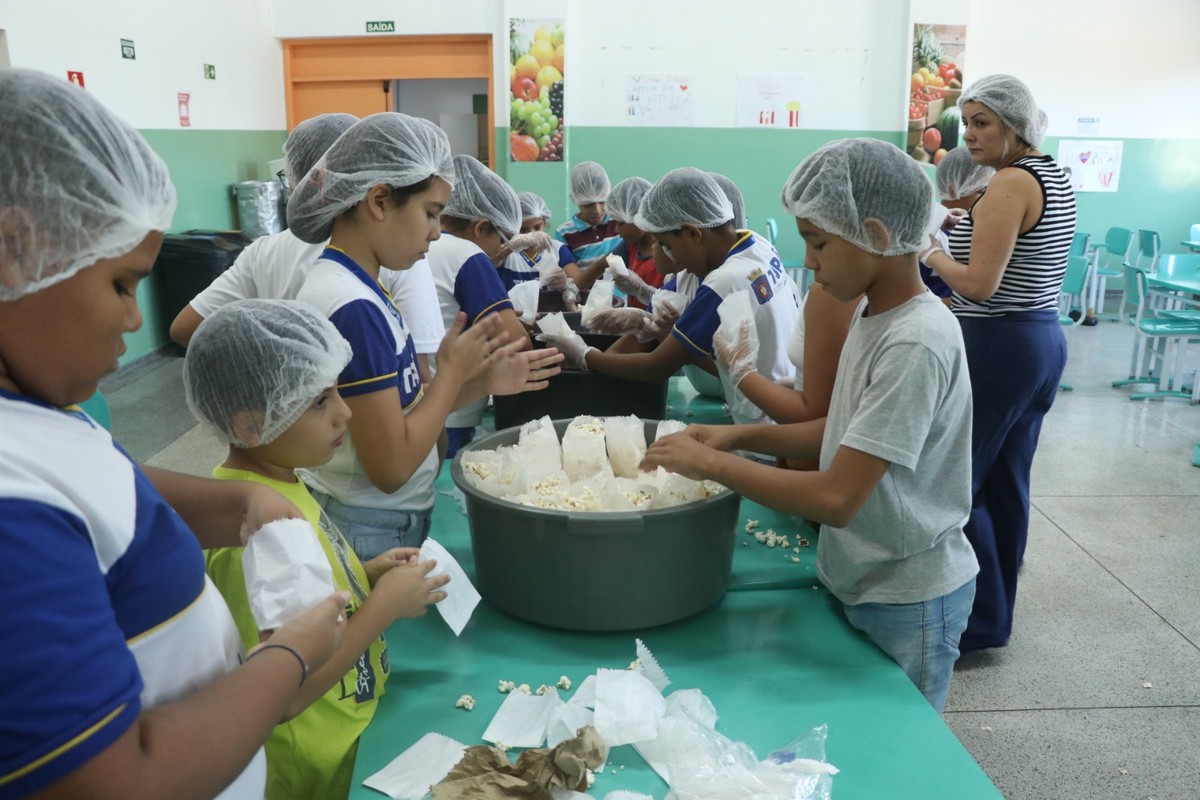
(772, 230)
(1173, 265)
(1117, 242)
(1148, 246)
(1077, 270)
(1079, 243)
(1194, 234)
(1135, 289)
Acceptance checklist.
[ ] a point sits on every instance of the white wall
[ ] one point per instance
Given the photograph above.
(851, 55)
(1133, 63)
(173, 41)
(295, 19)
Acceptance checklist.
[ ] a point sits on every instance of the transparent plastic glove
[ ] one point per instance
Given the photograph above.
(534, 240)
(953, 217)
(631, 284)
(571, 345)
(658, 324)
(738, 356)
(938, 243)
(555, 280)
(619, 321)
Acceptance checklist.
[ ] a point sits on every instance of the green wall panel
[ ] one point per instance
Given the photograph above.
(203, 164)
(758, 161)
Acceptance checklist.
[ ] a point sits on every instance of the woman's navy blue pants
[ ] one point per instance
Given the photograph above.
(1016, 362)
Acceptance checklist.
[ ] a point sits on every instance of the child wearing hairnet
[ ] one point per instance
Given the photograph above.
(482, 215)
(261, 375)
(543, 262)
(692, 221)
(138, 677)
(277, 265)
(636, 248)
(960, 182)
(377, 196)
(591, 234)
(894, 488)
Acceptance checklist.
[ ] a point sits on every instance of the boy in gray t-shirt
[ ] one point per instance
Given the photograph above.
(894, 486)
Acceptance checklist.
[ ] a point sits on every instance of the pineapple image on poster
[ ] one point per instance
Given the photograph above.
(934, 121)
(536, 64)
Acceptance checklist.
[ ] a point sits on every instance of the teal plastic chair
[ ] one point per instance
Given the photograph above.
(96, 407)
(772, 231)
(1108, 257)
(1080, 243)
(800, 275)
(1159, 344)
(1175, 265)
(1072, 287)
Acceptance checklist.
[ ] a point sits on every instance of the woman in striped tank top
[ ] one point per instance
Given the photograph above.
(1005, 263)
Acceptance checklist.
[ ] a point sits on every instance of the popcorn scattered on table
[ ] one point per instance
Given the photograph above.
(506, 686)
(501, 746)
(1123, 771)
(802, 541)
(524, 687)
(541, 690)
(670, 408)
(591, 777)
(745, 543)
(564, 682)
(466, 701)
(751, 524)
(688, 413)
(635, 664)
(981, 727)
(1147, 685)
(795, 559)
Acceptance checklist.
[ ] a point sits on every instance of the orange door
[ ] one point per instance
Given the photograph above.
(349, 74)
(360, 98)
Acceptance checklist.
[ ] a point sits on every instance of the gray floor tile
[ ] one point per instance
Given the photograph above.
(150, 413)
(1151, 545)
(194, 453)
(1081, 640)
(1089, 754)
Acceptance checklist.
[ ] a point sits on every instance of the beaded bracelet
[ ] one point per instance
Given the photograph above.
(290, 649)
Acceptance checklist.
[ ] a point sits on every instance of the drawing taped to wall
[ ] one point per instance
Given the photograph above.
(660, 100)
(536, 64)
(1092, 165)
(769, 101)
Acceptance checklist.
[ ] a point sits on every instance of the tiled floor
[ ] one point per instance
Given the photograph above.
(1098, 694)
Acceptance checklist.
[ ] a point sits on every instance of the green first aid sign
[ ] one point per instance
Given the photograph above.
(382, 26)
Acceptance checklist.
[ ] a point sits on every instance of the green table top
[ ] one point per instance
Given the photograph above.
(775, 656)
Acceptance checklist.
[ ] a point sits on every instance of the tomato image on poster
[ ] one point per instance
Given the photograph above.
(934, 121)
(536, 63)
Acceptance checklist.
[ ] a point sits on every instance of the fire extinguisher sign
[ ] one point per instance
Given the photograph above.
(185, 111)
(75, 78)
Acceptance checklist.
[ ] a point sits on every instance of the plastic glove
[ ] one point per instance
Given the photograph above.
(555, 280)
(660, 321)
(938, 243)
(738, 356)
(534, 240)
(619, 321)
(571, 345)
(953, 217)
(631, 284)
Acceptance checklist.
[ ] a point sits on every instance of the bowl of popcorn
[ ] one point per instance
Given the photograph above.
(567, 532)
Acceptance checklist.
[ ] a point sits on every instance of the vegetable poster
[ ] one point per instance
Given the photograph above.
(535, 54)
(1092, 165)
(769, 101)
(934, 122)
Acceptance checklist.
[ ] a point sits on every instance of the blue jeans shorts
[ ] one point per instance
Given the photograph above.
(921, 637)
(371, 531)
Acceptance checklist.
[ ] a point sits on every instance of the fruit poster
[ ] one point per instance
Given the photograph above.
(535, 50)
(769, 101)
(935, 84)
(1092, 165)
(662, 100)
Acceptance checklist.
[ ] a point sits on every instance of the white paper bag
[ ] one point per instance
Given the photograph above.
(286, 572)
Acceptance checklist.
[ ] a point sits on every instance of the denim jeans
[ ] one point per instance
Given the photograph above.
(921, 637)
(371, 531)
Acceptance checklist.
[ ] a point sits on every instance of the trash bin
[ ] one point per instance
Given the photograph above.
(258, 205)
(187, 264)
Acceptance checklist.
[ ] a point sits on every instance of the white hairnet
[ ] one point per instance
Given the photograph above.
(480, 193)
(532, 205)
(384, 148)
(77, 184)
(1013, 103)
(683, 196)
(849, 181)
(735, 199)
(254, 366)
(309, 140)
(589, 183)
(958, 175)
(625, 198)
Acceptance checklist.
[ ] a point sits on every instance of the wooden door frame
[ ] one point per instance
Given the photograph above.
(386, 58)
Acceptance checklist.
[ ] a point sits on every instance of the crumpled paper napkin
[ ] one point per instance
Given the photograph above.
(485, 773)
(286, 572)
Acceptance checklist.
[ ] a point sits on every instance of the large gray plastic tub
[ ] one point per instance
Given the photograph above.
(598, 571)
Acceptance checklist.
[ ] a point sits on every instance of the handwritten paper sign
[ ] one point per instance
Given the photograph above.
(769, 101)
(1092, 165)
(661, 100)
